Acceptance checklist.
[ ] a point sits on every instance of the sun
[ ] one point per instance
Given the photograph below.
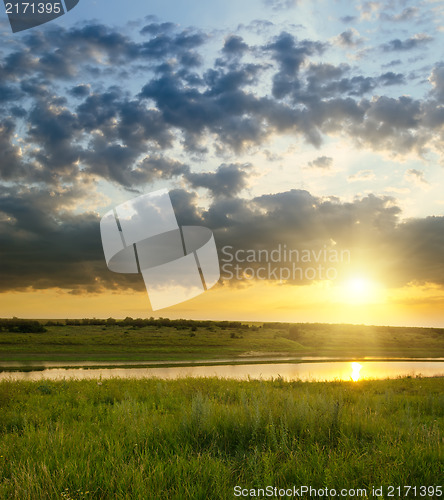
(359, 285)
(360, 289)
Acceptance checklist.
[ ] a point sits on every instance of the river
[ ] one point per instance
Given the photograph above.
(307, 371)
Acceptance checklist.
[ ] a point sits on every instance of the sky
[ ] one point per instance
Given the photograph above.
(316, 127)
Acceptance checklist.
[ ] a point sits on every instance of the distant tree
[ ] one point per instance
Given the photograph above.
(16, 325)
(294, 333)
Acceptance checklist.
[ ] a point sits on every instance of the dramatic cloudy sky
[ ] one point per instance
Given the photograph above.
(315, 125)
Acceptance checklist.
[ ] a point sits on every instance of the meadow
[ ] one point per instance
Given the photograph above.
(180, 340)
(199, 438)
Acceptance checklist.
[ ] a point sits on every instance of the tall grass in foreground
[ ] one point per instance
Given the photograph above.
(198, 438)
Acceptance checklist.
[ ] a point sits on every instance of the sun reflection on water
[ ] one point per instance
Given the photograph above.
(356, 368)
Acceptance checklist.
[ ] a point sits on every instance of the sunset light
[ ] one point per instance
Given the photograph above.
(356, 368)
(361, 290)
(221, 249)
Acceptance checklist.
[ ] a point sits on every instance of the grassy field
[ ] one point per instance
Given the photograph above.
(152, 343)
(198, 438)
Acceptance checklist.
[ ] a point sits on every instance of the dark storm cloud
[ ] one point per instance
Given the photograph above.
(61, 53)
(107, 131)
(43, 248)
(35, 88)
(157, 167)
(223, 109)
(232, 79)
(137, 125)
(296, 218)
(433, 116)
(93, 37)
(18, 63)
(165, 45)
(11, 161)
(228, 180)
(392, 124)
(290, 54)
(326, 80)
(234, 45)
(419, 40)
(55, 129)
(126, 132)
(80, 91)
(419, 248)
(16, 112)
(111, 161)
(99, 109)
(9, 93)
(391, 78)
(325, 72)
(156, 28)
(186, 207)
(369, 227)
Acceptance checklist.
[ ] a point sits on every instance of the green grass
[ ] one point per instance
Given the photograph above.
(198, 438)
(150, 343)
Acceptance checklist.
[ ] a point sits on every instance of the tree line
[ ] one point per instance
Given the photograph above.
(32, 326)
(16, 325)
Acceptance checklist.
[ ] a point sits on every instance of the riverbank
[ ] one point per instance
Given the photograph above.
(91, 344)
(199, 438)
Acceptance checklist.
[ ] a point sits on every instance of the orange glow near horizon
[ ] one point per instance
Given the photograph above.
(322, 302)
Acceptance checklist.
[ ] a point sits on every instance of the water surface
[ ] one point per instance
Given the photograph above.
(314, 371)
